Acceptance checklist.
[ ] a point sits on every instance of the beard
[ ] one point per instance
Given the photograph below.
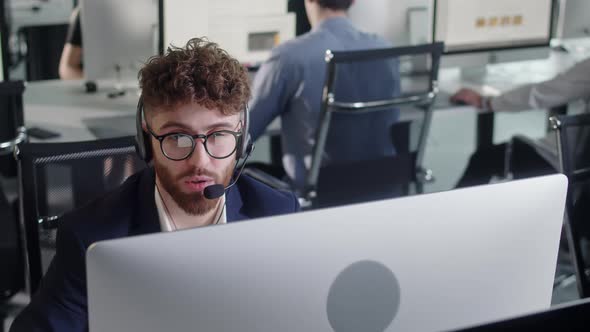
(195, 204)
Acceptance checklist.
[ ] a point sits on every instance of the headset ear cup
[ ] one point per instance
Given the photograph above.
(147, 147)
(143, 145)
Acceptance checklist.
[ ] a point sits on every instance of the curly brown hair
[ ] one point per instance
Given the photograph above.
(200, 72)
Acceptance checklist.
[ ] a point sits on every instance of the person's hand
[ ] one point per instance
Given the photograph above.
(467, 97)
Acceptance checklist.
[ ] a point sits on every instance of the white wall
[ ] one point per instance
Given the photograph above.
(224, 8)
(185, 19)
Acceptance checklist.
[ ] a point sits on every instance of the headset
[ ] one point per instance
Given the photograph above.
(143, 142)
(143, 146)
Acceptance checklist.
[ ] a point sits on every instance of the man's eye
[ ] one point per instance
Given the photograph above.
(182, 141)
(218, 134)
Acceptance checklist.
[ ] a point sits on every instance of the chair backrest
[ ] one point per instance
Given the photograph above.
(11, 260)
(58, 177)
(573, 141)
(356, 124)
(11, 124)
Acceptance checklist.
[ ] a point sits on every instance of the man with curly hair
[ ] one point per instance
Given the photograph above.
(193, 120)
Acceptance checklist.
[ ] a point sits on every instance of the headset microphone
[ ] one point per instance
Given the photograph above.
(217, 190)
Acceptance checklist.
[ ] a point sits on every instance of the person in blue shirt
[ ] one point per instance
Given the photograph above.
(289, 85)
(193, 105)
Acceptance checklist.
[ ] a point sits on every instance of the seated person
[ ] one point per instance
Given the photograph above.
(572, 85)
(70, 63)
(289, 84)
(194, 101)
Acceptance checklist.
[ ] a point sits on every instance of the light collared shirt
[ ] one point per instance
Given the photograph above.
(166, 223)
(571, 85)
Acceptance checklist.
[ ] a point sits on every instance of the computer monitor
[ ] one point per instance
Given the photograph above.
(481, 32)
(425, 263)
(117, 38)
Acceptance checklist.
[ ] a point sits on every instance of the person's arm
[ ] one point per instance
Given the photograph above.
(273, 87)
(569, 86)
(70, 63)
(60, 304)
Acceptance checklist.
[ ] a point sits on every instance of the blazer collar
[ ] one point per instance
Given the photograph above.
(235, 205)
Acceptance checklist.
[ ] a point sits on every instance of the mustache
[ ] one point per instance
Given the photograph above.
(196, 172)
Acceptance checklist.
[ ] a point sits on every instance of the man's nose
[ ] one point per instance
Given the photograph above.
(199, 157)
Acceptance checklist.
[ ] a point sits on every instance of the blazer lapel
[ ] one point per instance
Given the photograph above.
(145, 219)
(235, 205)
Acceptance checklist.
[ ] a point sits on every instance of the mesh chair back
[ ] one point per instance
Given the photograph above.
(58, 177)
(11, 124)
(350, 162)
(573, 141)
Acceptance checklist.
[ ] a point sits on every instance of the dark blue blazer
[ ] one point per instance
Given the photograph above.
(60, 304)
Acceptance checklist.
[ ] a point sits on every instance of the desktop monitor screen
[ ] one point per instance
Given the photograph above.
(118, 37)
(426, 263)
(483, 25)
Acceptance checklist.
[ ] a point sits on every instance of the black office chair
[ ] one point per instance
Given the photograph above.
(330, 184)
(12, 279)
(573, 142)
(12, 130)
(58, 177)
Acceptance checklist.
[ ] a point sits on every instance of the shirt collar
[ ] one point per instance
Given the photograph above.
(166, 224)
(332, 23)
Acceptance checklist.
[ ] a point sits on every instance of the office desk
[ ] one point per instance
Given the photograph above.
(65, 107)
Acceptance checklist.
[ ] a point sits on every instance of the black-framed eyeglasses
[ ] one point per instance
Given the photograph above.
(179, 146)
